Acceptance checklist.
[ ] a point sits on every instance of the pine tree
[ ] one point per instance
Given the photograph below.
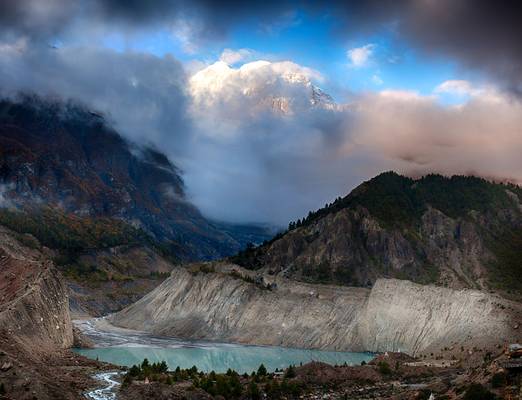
(261, 370)
(253, 391)
(290, 372)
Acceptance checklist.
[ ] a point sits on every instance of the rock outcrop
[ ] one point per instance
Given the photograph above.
(34, 310)
(35, 327)
(232, 305)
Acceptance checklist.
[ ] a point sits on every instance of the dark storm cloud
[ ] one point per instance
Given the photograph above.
(482, 35)
(39, 19)
(34, 18)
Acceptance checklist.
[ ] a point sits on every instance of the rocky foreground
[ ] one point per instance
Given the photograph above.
(226, 303)
(36, 329)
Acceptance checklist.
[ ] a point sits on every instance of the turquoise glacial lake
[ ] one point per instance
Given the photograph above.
(123, 347)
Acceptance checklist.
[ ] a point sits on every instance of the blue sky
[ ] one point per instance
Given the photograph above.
(311, 41)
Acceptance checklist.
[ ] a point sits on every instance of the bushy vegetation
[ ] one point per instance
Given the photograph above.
(72, 236)
(252, 257)
(478, 392)
(506, 269)
(258, 280)
(147, 370)
(229, 385)
(397, 201)
(159, 275)
(384, 368)
(499, 380)
(70, 233)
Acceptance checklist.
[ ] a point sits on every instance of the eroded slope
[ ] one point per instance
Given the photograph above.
(393, 315)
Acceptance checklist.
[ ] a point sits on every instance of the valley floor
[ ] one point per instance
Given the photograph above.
(388, 376)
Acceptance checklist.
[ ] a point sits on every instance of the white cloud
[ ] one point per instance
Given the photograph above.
(415, 134)
(360, 56)
(263, 130)
(232, 57)
(233, 93)
(277, 165)
(454, 86)
(186, 33)
(143, 95)
(465, 90)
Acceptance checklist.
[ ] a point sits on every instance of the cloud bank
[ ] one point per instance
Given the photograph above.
(142, 95)
(289, 152)
(260, 141)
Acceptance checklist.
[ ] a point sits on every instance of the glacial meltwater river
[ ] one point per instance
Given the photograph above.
(127, 347)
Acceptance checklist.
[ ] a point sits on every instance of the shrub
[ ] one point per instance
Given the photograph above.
(290, 372)
(476, 391)
(499, 380)
(384, 368)
(253, 391)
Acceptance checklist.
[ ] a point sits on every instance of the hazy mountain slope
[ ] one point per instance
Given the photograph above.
(458, 232)
(69, 157)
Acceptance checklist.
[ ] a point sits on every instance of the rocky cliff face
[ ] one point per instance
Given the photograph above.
(459, 232)
(34, 306)
(230, 305)
(35, 327)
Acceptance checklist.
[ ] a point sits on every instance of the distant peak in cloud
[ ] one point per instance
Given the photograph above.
(360, 56)
(277, 86)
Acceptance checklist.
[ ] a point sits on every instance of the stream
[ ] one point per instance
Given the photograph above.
(109, 388)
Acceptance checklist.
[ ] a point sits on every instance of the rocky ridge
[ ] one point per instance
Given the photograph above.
(458, 232)
(35, 305)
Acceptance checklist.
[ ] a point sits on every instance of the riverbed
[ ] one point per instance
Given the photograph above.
(107, 391)
(127, 347)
